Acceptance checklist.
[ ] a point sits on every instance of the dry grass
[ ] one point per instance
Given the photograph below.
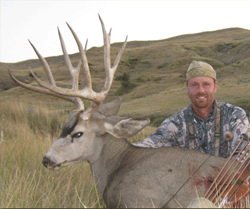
(26, 135)
(24, 182)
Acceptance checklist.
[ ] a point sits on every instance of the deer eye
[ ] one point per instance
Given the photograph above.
(76, 135)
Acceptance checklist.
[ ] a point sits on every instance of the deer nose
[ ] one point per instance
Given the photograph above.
(46, 162)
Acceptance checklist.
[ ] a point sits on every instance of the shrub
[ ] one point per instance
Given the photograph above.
(126, 84)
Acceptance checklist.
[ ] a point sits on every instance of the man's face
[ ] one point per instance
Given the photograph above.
(201, 91)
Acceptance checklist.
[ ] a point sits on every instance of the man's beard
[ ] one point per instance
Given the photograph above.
(201, 100)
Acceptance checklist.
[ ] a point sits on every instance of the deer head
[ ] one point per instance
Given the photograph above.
(83, 139)
(74, 144)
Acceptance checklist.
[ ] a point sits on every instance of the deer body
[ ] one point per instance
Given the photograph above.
(150, 178)
(129, 176)
(125, 175)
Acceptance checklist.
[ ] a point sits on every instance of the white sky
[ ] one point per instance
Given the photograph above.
(141, 20)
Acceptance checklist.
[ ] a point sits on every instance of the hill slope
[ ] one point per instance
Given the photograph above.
(155, 70)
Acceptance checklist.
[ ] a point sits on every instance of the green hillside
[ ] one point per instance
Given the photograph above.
(153, 72)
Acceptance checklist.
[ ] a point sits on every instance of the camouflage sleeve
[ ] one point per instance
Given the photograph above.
(239, 124)
(169, 133)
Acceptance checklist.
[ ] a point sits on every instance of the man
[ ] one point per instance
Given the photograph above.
(207, 125)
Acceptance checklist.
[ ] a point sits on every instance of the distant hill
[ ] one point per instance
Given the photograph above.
(155, 70)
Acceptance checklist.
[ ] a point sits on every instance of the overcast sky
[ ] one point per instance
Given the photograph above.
(140, 20)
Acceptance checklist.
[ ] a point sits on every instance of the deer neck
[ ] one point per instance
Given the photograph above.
(109, 159)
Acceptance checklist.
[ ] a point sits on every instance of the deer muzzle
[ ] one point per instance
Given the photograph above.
(48, 163)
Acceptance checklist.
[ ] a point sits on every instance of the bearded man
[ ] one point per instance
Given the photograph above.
(206, 125)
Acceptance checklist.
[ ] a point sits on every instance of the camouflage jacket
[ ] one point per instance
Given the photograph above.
(175, 131)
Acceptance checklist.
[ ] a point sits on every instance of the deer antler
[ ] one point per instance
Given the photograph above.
(75, 94)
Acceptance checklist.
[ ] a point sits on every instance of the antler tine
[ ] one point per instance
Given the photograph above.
(45, 65)
(30, 87)
(110, 72)
(60, 94)
(106, 41)
(114, 67)
(85, 93)
(119, 55)
(85, 65)
(46, 90)
(74, 72)
(38, 89)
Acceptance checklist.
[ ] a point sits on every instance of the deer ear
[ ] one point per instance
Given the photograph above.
(110, 108)
(127, 127)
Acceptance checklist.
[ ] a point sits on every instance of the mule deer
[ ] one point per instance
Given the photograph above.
(125, 175)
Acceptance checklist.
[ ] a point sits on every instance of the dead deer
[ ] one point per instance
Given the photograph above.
(125, 175)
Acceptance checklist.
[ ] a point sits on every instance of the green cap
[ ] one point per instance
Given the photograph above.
(200, 69)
